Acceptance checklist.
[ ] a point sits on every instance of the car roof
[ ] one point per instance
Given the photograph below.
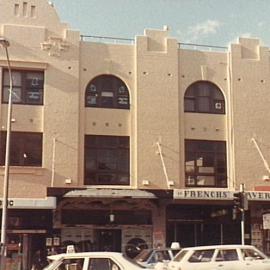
(85, 254)
(217, 246)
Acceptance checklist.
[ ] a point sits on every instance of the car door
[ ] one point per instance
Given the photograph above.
(200, 260)
(227, 259)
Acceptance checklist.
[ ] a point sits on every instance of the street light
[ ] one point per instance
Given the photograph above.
(5, 44)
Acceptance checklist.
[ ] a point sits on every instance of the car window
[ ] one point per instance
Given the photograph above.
(251, 254)
(71, 264)
(179, 256)
(201, 256)
(227, 255)
(102, 264)
(143, 255)
(159, 256)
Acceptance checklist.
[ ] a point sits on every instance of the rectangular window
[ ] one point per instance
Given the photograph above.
(205, 163)
(27, 87)
(25, 149)
(106, 160)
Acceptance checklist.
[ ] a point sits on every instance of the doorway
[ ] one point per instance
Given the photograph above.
(108, 239)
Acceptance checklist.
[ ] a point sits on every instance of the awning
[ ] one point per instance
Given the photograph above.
(110, 193)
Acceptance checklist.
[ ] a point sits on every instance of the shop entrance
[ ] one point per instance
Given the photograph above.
(108, 239)
(193, 225)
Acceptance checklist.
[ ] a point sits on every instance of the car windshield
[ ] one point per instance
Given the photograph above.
(179, 256)
(51, 265)
(143, 255)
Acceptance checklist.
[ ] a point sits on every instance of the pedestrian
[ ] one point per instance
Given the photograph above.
(38, 262)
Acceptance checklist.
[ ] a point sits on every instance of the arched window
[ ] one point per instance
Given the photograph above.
(107, 91)
(204, 97)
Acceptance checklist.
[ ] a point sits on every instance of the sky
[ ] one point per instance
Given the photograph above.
(209, 22)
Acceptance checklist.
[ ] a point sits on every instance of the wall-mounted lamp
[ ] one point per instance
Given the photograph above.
(145, 182)
(112, 217)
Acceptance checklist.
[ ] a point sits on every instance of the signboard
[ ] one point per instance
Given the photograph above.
(199, 194)
(22, 203)
(266, 221)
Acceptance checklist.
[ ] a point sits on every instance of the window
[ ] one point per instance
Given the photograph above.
(227, 255)
(25, 149)
(71, 264)
(204, 97)
(107, 91)
(251, 254)
(201, 256)
(205, 163)
(102, 264)
(106, 160)
(27, 87)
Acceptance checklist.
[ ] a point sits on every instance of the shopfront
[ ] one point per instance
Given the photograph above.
(107, 220)
(28, 223)
(203, 217)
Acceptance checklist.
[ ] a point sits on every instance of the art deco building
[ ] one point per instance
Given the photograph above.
(126, 144)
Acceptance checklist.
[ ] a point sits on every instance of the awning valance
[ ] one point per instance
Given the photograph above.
(110, 193)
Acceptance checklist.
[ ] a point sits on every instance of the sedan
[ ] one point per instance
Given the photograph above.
(150, 257)
(91, 261)
(223, 257)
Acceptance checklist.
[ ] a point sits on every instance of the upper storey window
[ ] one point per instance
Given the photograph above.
(204, 97)
(27, 87)
(107, 91)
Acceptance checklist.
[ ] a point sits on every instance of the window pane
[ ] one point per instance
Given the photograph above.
(25, 149)
(189, 105)
(27, 87)
(227, 255)
(205, 180)
(107, 91)
(205, 163)
(107, 160)
(203, 104)
(207, 97)
(16, 95)
(34, 96)
(16, 78)
(34, 80)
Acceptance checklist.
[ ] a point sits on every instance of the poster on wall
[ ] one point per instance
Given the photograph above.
(266, 221)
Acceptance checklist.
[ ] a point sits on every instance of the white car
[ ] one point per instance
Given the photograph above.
(222, 257)
(91, 261)
(150, 257)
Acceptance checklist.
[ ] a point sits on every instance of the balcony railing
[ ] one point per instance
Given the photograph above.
(101, 39)
(182, 45)
(200, 47)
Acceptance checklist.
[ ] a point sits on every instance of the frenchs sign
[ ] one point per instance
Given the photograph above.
(199, 194)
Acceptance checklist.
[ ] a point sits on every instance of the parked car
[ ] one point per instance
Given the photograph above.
(150, 257)
(224, 257)
(91, 261)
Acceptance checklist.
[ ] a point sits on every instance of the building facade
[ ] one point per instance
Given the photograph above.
(140, 143)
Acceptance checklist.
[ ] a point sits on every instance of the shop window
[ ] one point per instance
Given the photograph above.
(106, 160)
(25, 149)
(204, 97)
(107, 91)
(205, 163)
(27, 87)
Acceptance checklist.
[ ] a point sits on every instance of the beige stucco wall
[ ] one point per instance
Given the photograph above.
(40, 41)
(157, 73)
(250, 99)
